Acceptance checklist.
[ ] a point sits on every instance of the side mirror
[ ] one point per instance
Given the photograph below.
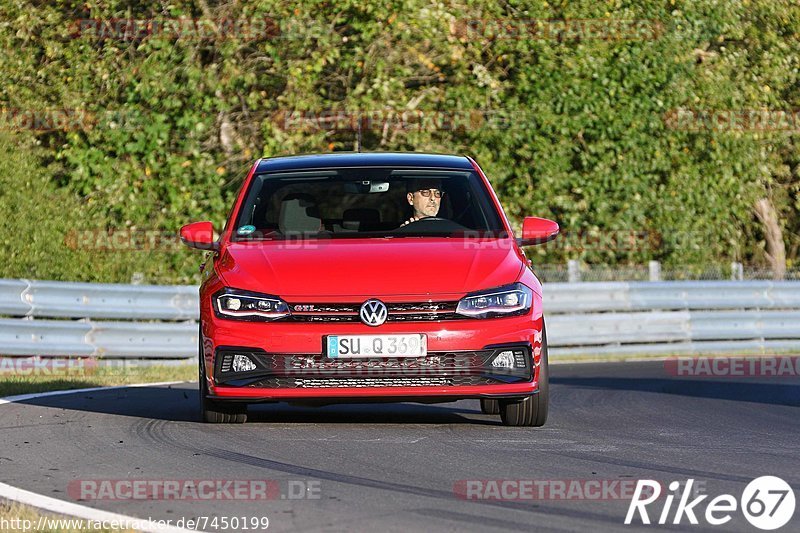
(537, 230)
(199, 235)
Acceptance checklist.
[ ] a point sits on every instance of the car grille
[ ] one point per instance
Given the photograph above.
(397, 312)
(450, 361)
(344, 382)
(316, 371)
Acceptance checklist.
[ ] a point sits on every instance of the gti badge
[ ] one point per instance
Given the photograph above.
(373, 312)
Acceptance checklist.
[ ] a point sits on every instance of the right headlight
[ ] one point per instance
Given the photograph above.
(510, 300)
(244, 305)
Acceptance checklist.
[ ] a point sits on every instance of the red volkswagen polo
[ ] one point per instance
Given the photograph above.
(370, 277)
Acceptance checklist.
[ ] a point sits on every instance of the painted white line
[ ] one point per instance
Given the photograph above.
(35, 395)
(87, 513)
(73, 509)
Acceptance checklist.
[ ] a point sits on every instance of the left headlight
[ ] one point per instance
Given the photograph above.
(243, 305)
(504, 301)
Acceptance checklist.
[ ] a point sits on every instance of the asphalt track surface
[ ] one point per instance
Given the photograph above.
(398, 467)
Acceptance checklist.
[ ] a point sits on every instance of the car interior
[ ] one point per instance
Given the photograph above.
(329, 203)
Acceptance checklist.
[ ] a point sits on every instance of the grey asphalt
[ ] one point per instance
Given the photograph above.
(399, 467)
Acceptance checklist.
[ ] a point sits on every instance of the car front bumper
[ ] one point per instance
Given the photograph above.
(291, 364)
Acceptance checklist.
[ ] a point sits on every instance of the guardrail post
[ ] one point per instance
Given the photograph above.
(573, 271)
(655, 270)
(737, 271)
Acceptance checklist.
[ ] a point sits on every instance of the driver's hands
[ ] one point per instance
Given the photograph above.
(410, 220)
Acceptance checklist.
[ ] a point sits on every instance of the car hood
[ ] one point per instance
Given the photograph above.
(369, 268)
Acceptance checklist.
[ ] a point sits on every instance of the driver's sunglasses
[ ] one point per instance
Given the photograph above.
(427, 193)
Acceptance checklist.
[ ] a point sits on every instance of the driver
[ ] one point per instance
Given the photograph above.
(425, 198)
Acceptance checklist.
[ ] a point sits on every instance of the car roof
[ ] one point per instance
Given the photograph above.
(361, 159)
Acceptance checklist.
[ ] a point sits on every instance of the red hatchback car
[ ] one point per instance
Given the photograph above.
(363, 277)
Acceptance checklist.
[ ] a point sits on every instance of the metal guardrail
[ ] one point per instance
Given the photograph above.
(98, 339)
(582, 318)
(673, 326)
(55, 299)
(672, 317)
(641, 296)
(33, 300)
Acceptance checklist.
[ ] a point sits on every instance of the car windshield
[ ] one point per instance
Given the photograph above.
(367, 202)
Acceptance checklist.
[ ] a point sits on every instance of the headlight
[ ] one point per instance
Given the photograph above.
(232, 303)
(504, 301)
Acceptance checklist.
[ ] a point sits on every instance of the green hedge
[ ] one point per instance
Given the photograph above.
(576, 129)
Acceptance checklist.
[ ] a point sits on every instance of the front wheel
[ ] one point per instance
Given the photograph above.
(531, 411)
(211, 411)
(490, 407)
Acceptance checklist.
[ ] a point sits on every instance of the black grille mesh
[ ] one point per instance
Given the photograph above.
(397, 312)
(317, 371)
(448, 361)
(363, 382)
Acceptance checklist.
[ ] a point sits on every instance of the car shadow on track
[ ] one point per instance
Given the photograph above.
(775, 393)
(377, 413)
(180, 403)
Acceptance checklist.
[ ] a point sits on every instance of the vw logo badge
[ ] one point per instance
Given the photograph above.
(373, 312)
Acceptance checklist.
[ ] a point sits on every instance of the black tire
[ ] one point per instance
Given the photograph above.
(490, 407)
(531, 411)
(213, 412)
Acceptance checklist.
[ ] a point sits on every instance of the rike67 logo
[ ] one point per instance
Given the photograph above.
(767, 503)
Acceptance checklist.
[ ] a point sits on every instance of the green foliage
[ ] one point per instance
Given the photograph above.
(572, 129)
(52, 233)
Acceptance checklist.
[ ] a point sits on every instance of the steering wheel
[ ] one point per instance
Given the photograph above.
(430, 219)
(432, 224)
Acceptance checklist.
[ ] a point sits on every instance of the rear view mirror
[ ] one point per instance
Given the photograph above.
(199, 235)
(365, 186)
(379, 186)
(537, 230)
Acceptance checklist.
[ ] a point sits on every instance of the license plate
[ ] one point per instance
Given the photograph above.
(350, 346)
